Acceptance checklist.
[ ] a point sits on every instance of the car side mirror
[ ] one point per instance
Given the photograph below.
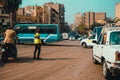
(94, 41)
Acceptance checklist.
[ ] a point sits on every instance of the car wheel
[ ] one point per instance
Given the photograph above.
(84, 45)
(106, 73)
(94, 60)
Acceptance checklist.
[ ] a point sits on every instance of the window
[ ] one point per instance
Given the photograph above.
(2, 20)
(104, 38)
(100, 39)
(2, 12)
(49, 30)
(115, 38)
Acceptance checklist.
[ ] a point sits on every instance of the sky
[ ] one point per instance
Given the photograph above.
(73, 7)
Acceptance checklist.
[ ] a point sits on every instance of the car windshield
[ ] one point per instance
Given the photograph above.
(115, 38)
(92, 37)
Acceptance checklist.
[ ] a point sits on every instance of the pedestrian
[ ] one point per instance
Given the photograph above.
(37, 43)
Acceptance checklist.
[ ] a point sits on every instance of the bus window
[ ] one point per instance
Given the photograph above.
(51, 30)
(24, 30)
(43, 30)
(17, 31)
(32, 30)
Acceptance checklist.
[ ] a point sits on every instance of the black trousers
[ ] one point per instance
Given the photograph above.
(11, 47)
(37, 50)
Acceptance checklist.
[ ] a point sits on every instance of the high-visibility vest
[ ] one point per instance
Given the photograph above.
(37, 39)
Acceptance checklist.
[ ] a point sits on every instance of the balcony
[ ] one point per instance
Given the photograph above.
(1, 6)
(4, 15)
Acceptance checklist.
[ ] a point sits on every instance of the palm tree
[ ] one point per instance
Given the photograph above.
(116, 20)
(10, 7)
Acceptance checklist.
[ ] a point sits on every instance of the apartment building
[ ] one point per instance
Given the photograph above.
(37, 14)
(53, 18)
(89, 18)
(78, 19)
(30, 14)
(4, 18)
(100, 16)
(92, 17)
(60, 10)
(117, 12)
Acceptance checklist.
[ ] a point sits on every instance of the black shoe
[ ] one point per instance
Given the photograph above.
(39, 58)
(16, 59)
(34, 57)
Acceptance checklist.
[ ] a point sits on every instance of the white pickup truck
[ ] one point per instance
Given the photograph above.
(107, 52)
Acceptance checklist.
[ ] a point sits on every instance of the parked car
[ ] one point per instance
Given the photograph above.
(65, 36)
(88, 42)
(82, 37)
(71, 38)
(107, 51)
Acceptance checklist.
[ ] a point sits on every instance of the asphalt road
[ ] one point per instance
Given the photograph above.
(64, 60)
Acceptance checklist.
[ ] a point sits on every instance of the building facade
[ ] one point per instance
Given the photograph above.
(4, 18)
(60, 10)
(37, 14)
(92, 17)
(100, 16)
(30, 14)
(117, 12)
(78, 19)
(89, 18)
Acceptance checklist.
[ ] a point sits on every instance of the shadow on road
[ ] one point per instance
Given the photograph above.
(115, 78)
(50, 44)
(30, 60)
(44, 59)
(25, 60)
(19, 60)
(70, 45)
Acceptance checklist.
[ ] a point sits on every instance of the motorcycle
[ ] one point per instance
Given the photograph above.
(8, 50)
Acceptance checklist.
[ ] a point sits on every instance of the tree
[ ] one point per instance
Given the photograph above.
(66, 28)
(81, 28)
(116, 20)
(10, 7)
(109, 20)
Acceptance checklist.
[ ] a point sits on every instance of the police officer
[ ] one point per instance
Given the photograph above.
(37, 42)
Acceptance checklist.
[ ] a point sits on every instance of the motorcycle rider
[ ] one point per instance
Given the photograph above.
(9, 39)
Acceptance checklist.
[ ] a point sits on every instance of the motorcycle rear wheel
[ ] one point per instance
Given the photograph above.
(4, 57)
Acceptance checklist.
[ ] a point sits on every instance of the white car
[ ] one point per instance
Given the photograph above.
(71, 38)
(81, 37)
(88, 42)
(65, 36)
